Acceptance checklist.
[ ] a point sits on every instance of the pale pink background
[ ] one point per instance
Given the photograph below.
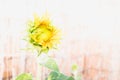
(91, 37)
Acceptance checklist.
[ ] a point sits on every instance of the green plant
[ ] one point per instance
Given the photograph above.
(43, 36)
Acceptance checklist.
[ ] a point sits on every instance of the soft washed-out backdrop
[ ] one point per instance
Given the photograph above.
(91, 37)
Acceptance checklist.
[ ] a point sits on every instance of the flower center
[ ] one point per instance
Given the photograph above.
(45, 35)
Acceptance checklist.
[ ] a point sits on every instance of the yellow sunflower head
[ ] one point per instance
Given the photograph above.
(42, 34)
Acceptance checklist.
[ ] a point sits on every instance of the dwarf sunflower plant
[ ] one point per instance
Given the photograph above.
(44, 36)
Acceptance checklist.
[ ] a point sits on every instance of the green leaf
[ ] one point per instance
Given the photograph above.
(24, 76)
(48, 62)
(58, 76)
(71, 78)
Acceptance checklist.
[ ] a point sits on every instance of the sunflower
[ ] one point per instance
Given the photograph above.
(43, 35)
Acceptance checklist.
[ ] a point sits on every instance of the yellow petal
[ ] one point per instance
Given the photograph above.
(36, 20)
